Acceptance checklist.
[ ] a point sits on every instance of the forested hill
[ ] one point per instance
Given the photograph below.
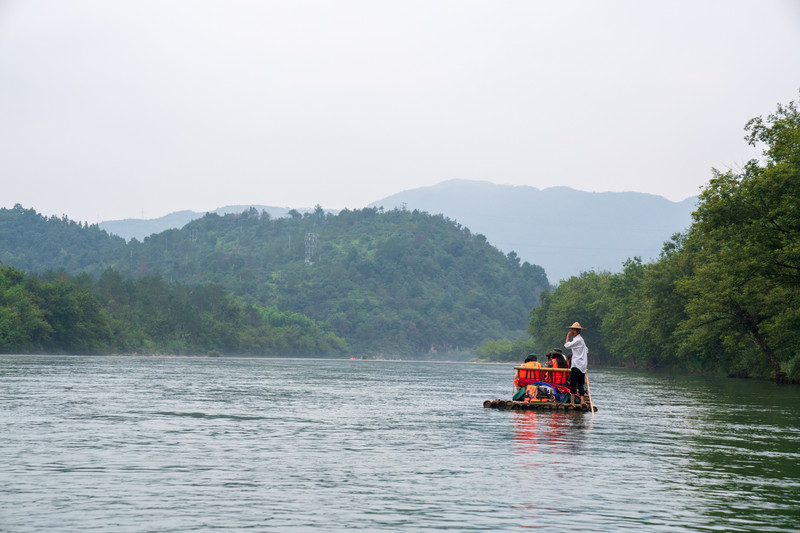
(35, 243)
(139, 228)
(397, 282)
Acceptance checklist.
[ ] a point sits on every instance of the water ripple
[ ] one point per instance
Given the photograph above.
(187, 444)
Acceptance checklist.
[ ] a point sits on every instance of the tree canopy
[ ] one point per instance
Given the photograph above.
(725, 295)
(57, 313)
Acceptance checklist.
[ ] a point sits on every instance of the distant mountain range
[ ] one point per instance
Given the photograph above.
(561, 229)
(564, 230)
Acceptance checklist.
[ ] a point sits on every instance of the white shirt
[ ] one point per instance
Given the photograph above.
(579, 353)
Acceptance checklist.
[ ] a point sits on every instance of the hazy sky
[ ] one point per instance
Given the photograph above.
(114, 109)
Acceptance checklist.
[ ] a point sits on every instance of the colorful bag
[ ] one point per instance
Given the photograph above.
(539, 392)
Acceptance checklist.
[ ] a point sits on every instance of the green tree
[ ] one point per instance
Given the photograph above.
(23, 325)
(504, 350)
(660, 308)
(724, 296)
(745, 287)
(580, 298)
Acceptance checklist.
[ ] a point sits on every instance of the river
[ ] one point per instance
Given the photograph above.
(174, 444)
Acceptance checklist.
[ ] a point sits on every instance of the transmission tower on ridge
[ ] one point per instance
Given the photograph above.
(311, 247)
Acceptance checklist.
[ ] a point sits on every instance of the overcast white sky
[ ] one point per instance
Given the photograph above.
(114, 109)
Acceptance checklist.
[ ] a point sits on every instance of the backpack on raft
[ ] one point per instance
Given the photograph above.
(539, 392)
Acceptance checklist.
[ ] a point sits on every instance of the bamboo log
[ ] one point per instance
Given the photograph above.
(536, 406)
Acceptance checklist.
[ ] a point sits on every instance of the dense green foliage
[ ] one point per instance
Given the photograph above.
(35, 243)
(723, 297)
(504, 351)
(62, 314)
(394, 283)
(39, 315)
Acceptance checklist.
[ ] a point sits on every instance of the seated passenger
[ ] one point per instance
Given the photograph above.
(529, 372)
(558, 359)
(532, 361)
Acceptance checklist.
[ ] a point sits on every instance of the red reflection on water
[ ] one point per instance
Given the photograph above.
(538, 432)
(541, 441)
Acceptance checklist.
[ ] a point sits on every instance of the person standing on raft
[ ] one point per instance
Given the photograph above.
(579, 363)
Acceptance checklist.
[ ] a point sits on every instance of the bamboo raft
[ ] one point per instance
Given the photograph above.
(536, 406)
(552, 376)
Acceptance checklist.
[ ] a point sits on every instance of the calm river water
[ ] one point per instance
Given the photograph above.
(130, 444)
